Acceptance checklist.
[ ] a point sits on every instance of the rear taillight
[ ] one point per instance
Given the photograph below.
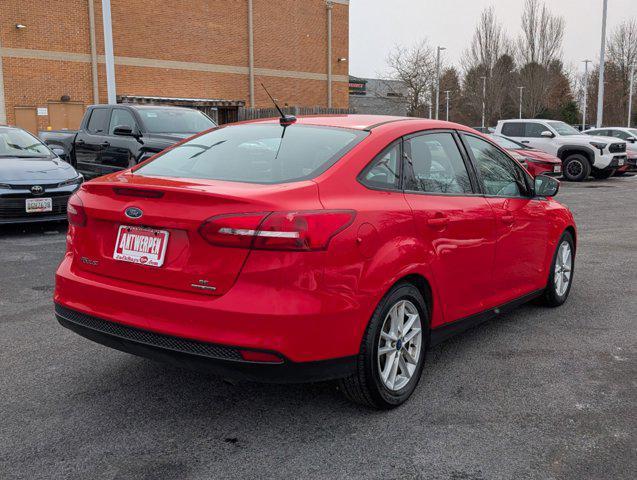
(75, 211)
(296, 231)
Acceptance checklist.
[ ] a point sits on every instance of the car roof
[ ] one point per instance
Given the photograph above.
(363, 122)
(530, 120)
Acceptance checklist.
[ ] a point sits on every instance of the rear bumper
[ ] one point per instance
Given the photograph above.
(217, 359)
(298, 320)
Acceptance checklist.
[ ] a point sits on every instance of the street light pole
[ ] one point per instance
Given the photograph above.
(630, 94)
(109, 59)
(484, 96)
(520, 88)
(586, 62)
(447, 93)
(439, 49)
(602, 66)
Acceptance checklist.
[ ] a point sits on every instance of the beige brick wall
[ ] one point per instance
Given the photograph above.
(290, 39)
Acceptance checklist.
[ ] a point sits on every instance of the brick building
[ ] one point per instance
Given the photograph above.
(52, 55)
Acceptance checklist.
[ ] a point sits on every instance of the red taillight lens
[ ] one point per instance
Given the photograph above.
(296, 231)
(75, 211)
(232, 230)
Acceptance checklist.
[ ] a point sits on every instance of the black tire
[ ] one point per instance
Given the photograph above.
(551, 297)
(365, 386)
(603, 174)
(576, 168)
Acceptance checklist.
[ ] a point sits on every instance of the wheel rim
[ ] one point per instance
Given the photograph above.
(400, 345)
(574, 168)
(563, 268)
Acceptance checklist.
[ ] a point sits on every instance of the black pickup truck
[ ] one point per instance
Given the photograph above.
(115, 137)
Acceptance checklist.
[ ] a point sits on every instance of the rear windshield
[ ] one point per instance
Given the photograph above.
(256, 153)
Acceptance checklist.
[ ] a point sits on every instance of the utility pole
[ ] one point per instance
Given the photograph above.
(630, 94)
(447, 93)
(520, 88)
(586, 62)
(109, 59)
(602, 66)
(439, 49)
(484, 98)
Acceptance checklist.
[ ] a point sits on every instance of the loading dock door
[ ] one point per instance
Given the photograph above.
(27, 118)
(65, 115)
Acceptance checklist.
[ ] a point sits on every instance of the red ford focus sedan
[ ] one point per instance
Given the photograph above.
(330, 248)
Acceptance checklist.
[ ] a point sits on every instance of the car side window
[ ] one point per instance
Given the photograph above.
(434, 165)
(534, 130)
(384, 171)
(119, 118)
(97, 120)
(500, 175)
(513, 129)
(619, 134)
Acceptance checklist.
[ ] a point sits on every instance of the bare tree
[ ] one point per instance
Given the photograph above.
(415, 67)
(538, 47)
(542, 35)
(489, 55)
(622, 45)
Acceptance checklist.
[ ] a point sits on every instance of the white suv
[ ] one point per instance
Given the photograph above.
(582, 155)
(623, 133)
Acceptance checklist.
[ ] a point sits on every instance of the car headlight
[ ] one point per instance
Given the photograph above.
(74, 181)
(600, 146)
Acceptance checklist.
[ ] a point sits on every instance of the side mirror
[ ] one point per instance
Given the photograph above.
(547, 134)
(546, 186)
(59, 151)
(631, 139)
(124, 131)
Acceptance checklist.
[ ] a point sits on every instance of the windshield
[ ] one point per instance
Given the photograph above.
(174, 120)
(508, 143)
(256, 153)
(633, 132)
(563, 128)
(18, 143)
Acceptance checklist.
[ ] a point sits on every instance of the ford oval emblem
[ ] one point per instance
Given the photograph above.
(133, 212)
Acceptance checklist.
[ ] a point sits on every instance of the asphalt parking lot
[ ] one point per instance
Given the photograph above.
(535, 394)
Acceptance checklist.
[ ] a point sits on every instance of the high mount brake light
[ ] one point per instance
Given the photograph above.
(294, 231)
(75, 211)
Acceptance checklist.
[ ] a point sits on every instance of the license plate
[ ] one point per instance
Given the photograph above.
(39, 205)
(145, 246)
(557, 168)
(620, 162)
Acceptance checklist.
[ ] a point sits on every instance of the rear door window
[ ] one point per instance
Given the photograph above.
(513, 129)
(98, 120)
(256, 153)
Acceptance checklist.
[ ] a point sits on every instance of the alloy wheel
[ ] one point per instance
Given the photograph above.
(563, 268)
(400, 345)
(574, 168)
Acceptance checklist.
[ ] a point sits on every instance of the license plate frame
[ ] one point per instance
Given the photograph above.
(131, 246)
(38, 205)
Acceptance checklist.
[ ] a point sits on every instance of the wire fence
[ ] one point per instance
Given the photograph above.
(255, 113)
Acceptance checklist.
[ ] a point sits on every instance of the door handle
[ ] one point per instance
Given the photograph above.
(438, 222)
(105, 144)
(507, 219)
(524, 141)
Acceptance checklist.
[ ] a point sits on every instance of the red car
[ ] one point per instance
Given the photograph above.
(535, 161)
(322, 248)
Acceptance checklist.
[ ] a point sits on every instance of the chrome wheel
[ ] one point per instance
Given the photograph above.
(563, 268)
(400, 345)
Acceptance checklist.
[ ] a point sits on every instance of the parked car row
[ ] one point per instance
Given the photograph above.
(590, 153)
